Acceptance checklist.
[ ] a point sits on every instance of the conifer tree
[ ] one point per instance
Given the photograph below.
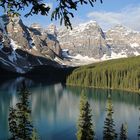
(123, 133)
(20, 124)
(115, 74)
(12, 124)
(85, 126)
(109, 130)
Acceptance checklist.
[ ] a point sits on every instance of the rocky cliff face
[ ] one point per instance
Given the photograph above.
(33, 39)
(23, 47)
(123, 41)
(86, 39)
(89, 40)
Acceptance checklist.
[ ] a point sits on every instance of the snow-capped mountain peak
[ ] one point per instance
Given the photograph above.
(88, 39)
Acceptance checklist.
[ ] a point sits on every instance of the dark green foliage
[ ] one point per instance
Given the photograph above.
(63, 10)
(109, 131)
(13, 6)
(85, 126)
(123, 133)
(115, 74)
(20, 124)
(12, 123)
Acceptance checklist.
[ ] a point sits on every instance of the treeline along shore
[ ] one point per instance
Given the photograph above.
(121, 74)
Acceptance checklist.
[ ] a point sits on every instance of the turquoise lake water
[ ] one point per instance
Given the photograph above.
(55, 109)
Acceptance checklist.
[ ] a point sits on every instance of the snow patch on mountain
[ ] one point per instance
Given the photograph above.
(4, 62)
(59, 61)
(12, 57)
(85, 26)
(134, 45)
(19, 70)
(10, 64)
(65, 54)
(14, 45)
(39, 62)
(114, 56)
(136, 53)
(83, 58)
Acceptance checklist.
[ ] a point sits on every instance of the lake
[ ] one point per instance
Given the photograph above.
(55, 109)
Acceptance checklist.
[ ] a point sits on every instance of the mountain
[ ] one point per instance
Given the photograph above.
(123, 41)
(90, 40)
(86, 39)
(22, 47)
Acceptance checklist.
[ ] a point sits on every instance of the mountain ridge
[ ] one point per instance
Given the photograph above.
(22, 47)
(117, 42)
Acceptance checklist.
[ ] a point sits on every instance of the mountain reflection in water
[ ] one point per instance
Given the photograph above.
(55, 109)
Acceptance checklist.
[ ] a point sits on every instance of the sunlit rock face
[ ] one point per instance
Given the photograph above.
(23, 47)
(34, 39)
(90, 40)
(86, 39)
(123, 40)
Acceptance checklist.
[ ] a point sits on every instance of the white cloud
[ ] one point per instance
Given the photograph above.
(49, 5)
(129, 16)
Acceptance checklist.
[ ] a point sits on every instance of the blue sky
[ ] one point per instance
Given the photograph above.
(108, 14)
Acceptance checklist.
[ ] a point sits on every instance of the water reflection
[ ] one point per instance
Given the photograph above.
(139, 126)
(55, 109)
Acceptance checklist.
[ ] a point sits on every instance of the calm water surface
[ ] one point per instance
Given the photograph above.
(55, 109)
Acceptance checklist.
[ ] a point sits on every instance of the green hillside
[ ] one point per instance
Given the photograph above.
(115, 74)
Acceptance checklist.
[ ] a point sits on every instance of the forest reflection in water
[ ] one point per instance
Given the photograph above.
(51, 111)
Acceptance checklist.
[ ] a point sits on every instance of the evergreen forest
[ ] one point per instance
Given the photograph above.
(121, 74)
